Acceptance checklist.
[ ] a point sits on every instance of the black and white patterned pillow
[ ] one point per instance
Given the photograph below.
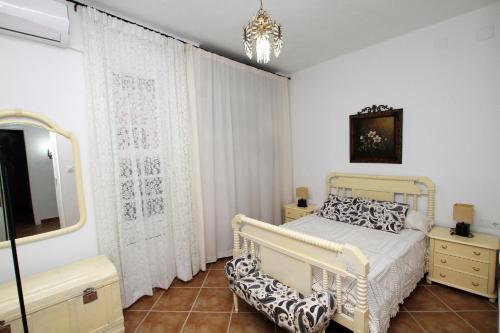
(374, 214)
(380, 215)
(338, 209)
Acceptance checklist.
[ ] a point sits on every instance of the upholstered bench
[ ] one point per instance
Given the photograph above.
(286, 307)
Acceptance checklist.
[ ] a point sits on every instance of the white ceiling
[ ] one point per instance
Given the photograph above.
(314, 30)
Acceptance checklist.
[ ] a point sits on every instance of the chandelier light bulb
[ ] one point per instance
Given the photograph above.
(262, 34)
(263, 48)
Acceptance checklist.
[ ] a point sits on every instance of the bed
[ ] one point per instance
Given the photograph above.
(396, 261)
(369, 271)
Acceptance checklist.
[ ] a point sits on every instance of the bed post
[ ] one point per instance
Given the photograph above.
(361, 267)
(236, 235)
(236, 222)
(431, 193)
(361, 312)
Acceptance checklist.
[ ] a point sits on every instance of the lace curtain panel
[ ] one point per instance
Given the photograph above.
(244, 144)
(147, 206)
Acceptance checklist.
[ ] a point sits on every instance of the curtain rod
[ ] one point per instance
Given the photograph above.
(78, 3)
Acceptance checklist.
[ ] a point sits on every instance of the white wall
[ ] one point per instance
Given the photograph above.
(50, 81)
(67, 181)
(41, 173)
(448, 84)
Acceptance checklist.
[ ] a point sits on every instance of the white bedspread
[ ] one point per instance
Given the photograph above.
(397, 263)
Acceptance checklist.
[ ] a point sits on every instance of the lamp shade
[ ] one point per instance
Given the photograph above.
(463, 213)
(302, 192)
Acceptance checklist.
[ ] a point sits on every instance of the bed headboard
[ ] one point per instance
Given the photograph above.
(414, 191)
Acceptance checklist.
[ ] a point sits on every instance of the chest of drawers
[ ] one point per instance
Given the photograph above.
(293, 212)
(465, 263)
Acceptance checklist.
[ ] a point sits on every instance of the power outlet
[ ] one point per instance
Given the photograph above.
(485, 33)
(489, 223)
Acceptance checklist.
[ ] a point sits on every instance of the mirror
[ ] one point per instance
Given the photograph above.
(40, 186)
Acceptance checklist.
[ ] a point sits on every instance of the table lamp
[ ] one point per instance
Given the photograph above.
(463, 215)
(302, 194)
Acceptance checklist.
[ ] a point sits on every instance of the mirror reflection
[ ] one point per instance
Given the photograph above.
(37, 182)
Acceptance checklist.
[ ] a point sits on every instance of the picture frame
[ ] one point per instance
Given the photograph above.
(376, 135)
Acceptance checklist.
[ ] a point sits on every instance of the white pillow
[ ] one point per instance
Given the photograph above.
(418, 221)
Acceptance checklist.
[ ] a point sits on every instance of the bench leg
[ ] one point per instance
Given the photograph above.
(235, 301)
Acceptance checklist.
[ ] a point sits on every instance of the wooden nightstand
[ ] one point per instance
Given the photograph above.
(293, 212)
(464, 263)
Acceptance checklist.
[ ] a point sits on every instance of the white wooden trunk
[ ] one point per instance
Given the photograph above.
(55, 303)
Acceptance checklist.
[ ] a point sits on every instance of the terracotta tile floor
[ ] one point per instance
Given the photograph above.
(205, 305)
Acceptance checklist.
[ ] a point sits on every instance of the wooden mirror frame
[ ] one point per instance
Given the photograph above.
(22, 117)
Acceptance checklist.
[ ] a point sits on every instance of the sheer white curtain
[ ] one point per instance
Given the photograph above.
(244, 143)
(147, 206)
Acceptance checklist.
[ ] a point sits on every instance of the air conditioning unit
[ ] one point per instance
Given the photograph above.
(42, 20)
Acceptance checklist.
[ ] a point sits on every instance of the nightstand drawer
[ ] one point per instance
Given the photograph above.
(294, 214)
(460, 264)
(460, 280)
(472, 252)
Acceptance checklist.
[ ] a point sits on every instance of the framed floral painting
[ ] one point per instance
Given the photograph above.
(376, 135)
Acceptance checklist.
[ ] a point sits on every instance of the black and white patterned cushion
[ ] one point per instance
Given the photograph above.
(374, 214)
(240, 267)
(381, 215)
(281, 304)
(338, 209)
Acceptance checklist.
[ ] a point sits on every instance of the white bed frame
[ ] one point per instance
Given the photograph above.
(289, 256)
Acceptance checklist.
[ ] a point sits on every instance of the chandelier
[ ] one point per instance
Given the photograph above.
(265, 34)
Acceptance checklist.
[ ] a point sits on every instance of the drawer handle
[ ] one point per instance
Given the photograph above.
(476, 269)
(442, 275)
(443, 261)
(477, 253)
(475, 284)
(89, 295)
(444, 246)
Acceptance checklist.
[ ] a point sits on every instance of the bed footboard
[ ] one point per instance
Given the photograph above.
(290, 257)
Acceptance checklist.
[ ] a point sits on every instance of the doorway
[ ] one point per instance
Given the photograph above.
(14, 160)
